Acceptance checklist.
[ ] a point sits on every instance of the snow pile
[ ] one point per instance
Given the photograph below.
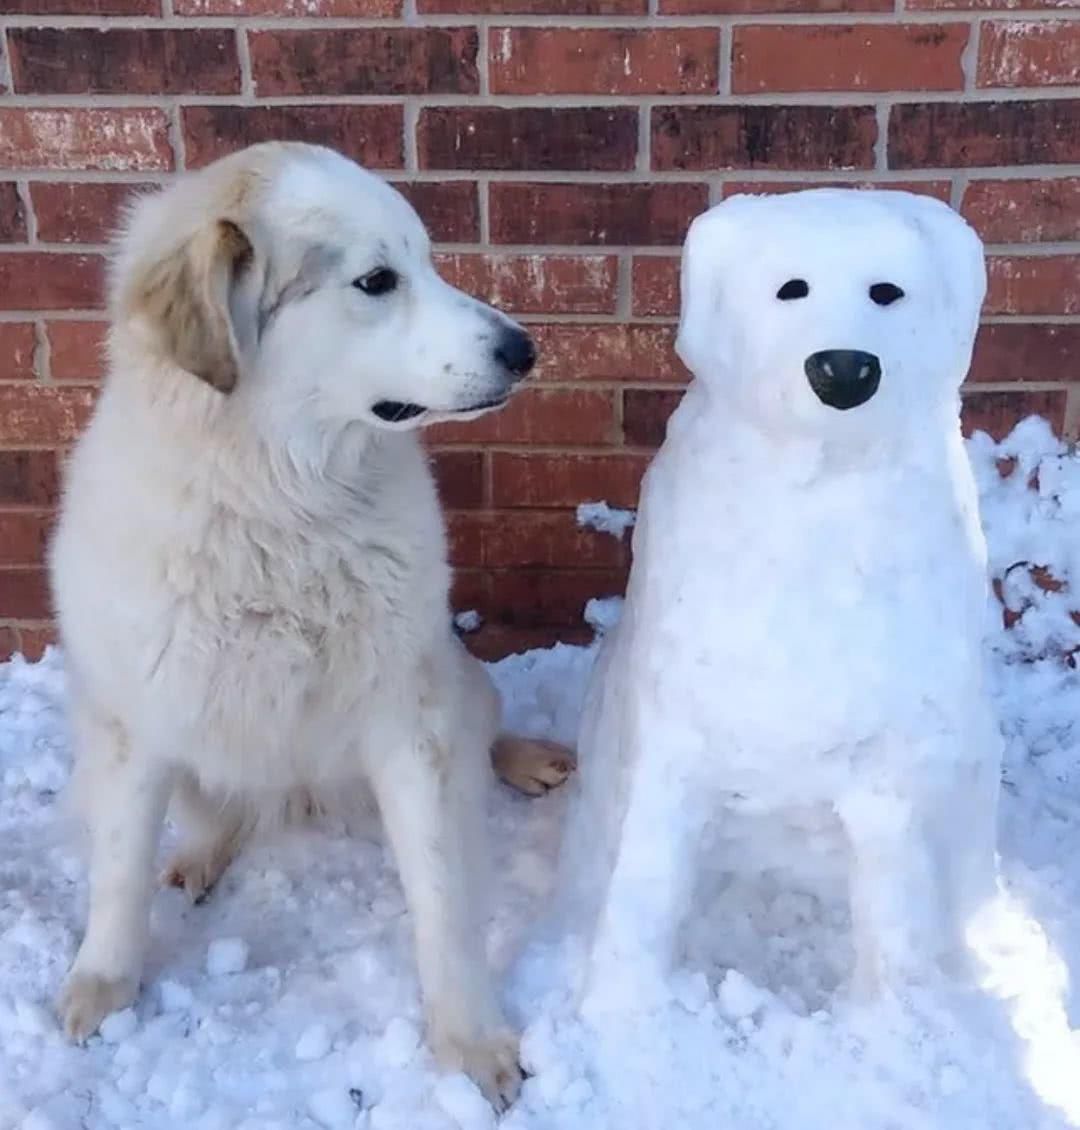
(329, 968)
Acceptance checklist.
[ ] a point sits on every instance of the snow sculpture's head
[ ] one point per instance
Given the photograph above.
(831, 308)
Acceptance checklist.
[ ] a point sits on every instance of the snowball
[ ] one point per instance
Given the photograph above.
(739, 997)
(604, 518)
(399, 1042)
(119, 1026)
(314, 1043)
(461, 1099)
(226, 955)
(468, 621)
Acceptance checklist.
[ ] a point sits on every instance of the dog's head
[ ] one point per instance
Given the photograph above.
(287, 273)
(831, 309)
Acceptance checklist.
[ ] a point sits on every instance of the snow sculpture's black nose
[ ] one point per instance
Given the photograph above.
(843, 378)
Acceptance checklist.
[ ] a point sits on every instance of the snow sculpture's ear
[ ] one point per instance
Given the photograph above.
(957, 254)
(704, 261)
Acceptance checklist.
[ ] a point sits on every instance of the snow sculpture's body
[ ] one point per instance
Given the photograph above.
(802, 631)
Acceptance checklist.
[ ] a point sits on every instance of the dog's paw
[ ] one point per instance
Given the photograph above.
(491, 1062)
(531, 765)
(88, 998)
(195, 873)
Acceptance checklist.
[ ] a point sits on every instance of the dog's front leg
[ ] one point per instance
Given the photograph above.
(124, 797)
(433, 809)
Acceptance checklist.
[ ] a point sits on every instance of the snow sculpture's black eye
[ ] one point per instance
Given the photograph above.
(793, 288)
(885, 294)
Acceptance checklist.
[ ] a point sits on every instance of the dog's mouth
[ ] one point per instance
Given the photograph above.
(398, 411)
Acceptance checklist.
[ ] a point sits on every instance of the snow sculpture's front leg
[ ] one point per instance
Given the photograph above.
(922, 861)
(652, 881)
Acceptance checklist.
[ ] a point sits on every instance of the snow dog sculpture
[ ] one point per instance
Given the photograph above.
(801, 637)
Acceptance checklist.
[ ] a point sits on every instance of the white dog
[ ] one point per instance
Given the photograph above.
(800, 647)
(250, 570)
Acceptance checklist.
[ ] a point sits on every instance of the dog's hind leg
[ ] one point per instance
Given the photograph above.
(123, 796)
(531, 765)
(214, 830)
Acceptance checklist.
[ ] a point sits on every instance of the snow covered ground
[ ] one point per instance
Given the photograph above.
(289, 1000)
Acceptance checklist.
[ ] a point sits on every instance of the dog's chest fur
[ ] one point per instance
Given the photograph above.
(281, 629)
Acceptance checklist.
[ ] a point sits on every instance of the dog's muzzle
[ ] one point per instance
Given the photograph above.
(843, 378)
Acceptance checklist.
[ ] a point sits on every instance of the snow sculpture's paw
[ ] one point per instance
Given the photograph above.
(88, 998)
(491, 1062)
(532, 765)
(196, 872)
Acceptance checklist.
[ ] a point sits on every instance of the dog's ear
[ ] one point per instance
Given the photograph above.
(704, 259)
(187, 298)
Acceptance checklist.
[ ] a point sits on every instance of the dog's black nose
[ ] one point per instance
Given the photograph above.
(843, 378)
(516, 352)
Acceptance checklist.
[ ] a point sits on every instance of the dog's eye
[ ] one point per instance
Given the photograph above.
(793, 288)
(885, 294)
(380, 281)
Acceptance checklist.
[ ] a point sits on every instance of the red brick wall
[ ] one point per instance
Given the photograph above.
(557, 148)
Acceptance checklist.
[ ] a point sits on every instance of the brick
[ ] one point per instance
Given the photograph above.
(24, 594)
(42, 280)
(580, 417)
(939, 189)
(450, 209)
(290, 9)
(29, 478)
(607, 351)
(35, 638)
(532, 479)
(17, 345)
(117, 139)
(496, 641)
(1024, 211)
(536, 7)
(1045, 284)
(535, 284)
(972, 134)
(737, 7)
(528, 137)
(550, 597)
(763, 137)
(12, 214)
(1022, 53)
(460, 478)
(80, 212)
(997, 413)
(594, 213)
(631, 61)
(9, 642)
(372, 135)
(76, 350)
(645, 415)
(399, 60)
(1025, 351)
(124, 60)
(886, 57)
(986, 5)
(39, 414)
(80, 7)
(655, 285)
(24, 535)
(524, 539)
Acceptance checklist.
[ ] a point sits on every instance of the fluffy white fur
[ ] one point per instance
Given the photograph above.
(250, 570)
(798, 666)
